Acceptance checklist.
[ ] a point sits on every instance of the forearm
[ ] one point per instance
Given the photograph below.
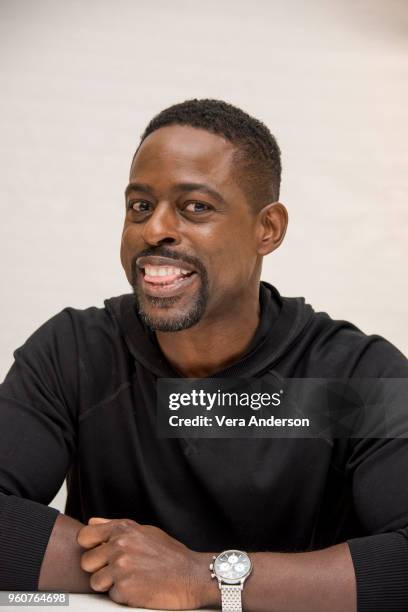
(321, 581)
(60, 569)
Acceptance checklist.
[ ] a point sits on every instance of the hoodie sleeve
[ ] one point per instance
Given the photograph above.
(37, 442)
(378, 468)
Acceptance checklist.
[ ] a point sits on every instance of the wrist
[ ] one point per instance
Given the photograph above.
(208, 592)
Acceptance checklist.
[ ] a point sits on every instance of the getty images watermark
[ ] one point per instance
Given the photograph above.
(274, 407)
(227, 399)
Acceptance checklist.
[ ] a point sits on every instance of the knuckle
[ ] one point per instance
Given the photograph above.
(120, 542)
(123, 585)
(122, 526)
(126, 523)
(121, 561)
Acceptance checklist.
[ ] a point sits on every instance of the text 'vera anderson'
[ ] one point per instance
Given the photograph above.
(223, 421)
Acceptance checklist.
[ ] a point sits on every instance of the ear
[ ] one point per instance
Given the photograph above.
(272, 223)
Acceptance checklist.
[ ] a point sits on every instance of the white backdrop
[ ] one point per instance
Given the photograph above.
(80, 79)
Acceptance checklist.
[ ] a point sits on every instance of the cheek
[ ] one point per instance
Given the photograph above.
(231, 261)
(126, 251)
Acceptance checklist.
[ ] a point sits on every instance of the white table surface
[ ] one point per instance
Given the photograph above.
(80, 603)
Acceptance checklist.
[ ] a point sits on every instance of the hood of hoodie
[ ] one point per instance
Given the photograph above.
(292, 318)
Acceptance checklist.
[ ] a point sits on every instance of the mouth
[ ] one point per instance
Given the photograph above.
(164, 278)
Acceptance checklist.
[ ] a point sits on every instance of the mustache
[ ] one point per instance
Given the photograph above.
(163, 251)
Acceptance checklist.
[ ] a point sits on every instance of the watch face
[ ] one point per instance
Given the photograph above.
(232, 565)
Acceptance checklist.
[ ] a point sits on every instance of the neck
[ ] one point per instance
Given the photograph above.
(212, 345)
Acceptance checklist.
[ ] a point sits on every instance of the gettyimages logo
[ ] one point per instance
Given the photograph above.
(208, 400)
(273, 407)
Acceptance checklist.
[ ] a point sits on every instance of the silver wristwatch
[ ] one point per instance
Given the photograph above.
(231, 568)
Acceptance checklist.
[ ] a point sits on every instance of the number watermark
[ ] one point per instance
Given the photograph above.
(33, 598)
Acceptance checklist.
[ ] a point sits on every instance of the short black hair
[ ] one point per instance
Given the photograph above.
(257, 157)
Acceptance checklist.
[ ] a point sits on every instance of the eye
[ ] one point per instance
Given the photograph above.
(139, 206)
(197, 207)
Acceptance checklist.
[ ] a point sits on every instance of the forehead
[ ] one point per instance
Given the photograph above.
(184, 153)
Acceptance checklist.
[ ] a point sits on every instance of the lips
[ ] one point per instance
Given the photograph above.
(163, 262)
(162, 276)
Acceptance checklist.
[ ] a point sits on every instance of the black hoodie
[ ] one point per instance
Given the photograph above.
(79, 401)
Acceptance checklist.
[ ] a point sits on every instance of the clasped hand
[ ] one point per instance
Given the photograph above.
(141, 565)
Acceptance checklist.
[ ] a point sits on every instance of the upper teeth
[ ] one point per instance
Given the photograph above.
(163, 271)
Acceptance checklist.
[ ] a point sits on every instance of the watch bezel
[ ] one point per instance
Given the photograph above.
(232, 580)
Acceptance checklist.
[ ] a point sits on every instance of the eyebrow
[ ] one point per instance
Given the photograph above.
(183, 187)
(138, 187)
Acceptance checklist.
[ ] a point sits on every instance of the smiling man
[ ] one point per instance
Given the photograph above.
(193, 243)
(295, 524)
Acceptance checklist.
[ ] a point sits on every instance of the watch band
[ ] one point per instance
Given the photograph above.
(231, 597)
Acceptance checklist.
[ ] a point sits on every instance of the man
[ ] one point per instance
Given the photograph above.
(324, 521)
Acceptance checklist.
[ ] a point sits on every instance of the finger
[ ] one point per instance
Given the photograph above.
(118, 595)
(92, 535)
(102, 580)
(94, 520)
(92, 560)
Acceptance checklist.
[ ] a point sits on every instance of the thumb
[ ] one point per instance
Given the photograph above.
(94, 520)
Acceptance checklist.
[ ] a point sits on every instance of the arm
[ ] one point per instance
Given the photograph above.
(141, 566)
(37, 444)
(60, 568)
(297, 582)
(300, 582)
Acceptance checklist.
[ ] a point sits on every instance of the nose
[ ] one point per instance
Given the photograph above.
(162, 226)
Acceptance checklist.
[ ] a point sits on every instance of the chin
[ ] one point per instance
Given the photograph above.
(168, 323)
(163, 315)
(167, 314)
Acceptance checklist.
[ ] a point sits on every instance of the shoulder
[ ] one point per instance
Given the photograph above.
(84, 348)
(340, 348)
(70, 327)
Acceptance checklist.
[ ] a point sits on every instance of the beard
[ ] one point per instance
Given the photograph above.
(174, 321)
